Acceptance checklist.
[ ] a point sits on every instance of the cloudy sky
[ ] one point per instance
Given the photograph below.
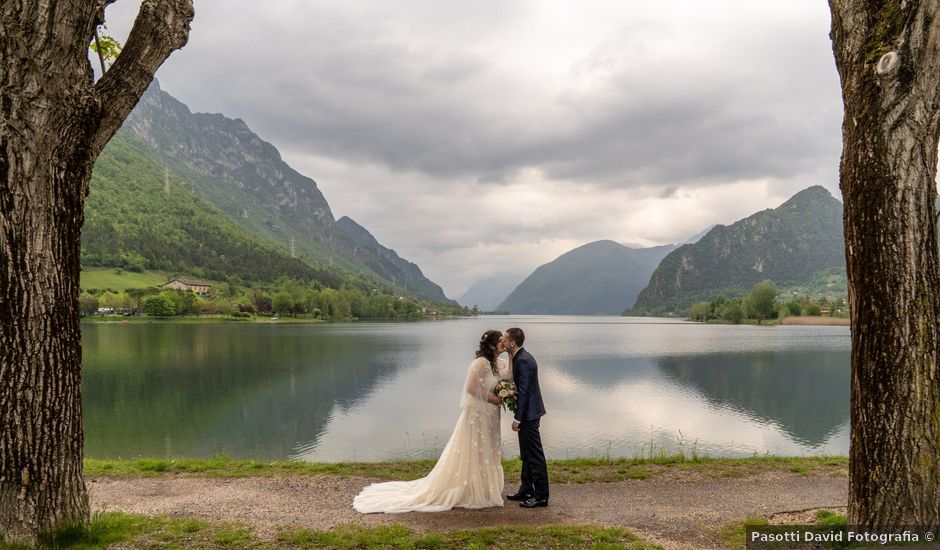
(488, 137)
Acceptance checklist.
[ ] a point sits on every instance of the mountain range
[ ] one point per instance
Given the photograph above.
(798, 245)
(791, 244)
(202, 195)
(191, 192)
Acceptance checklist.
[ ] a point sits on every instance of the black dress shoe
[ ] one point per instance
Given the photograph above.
(519, 496)
(534, 503)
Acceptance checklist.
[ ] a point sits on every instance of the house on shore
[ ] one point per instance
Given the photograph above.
(199, 287)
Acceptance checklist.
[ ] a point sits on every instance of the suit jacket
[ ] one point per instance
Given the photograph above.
(525, 374)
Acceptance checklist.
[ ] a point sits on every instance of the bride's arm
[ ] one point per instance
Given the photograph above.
(475, 387)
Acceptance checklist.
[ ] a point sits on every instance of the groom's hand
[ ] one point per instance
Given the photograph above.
(515, 425)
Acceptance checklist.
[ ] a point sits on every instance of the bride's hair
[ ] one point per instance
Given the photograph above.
(488, 343)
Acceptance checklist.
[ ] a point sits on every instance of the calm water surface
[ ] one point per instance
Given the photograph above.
(371, 391)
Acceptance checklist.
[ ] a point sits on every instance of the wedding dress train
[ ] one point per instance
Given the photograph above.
(469, 472)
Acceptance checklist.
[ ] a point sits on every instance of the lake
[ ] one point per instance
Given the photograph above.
(382, 391)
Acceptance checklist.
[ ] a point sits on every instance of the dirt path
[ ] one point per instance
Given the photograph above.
(674, 513)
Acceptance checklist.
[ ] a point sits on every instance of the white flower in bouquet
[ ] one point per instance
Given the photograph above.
(506, 390)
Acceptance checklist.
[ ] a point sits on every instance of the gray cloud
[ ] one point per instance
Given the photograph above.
(364, 89)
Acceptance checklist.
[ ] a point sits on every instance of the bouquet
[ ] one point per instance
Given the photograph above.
(506, 390)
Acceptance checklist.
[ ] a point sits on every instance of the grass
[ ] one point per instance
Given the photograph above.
(165, 532)
(104, 529)
(108, 528)
(734, 535)
(118, 280)
(830, 518)
(578, 470)
(396, 536)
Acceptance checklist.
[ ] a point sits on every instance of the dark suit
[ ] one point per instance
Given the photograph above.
(529, 411)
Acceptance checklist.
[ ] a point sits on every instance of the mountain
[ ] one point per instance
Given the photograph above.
(140, 216)
(226, 165)
(789, 245)
(599, 278)
(698, 236)
(387, 263)
(487, 293)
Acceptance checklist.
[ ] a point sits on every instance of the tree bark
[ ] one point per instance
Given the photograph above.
(888, 56)
(54, 120)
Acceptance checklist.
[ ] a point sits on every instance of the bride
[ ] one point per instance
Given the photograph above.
(469, 473)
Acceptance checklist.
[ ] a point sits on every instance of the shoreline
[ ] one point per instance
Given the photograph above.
(208, 319)
(146, 320)
(817, 321)
(565, 471)
(809, 320)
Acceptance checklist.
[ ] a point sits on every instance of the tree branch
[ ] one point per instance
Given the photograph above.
(161, 27)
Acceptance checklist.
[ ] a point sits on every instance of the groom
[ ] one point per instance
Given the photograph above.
(533, 493)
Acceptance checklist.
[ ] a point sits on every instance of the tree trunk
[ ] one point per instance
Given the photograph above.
(888, 56)
(54, 120)
(41, 484)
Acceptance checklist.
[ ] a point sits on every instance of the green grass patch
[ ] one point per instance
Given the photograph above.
(733, 534)
(830, 518)
(222, 466)
(233, 537)
(110, 528)
(677, 465)
(11, 546)
(119, 280)
(104, 529)
(396, 536)
(577, 470)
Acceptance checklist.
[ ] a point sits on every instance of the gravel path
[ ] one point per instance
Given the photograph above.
(674, 513)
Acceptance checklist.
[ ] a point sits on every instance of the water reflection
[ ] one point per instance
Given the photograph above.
(606, 373)
(386, 391)
(806, 394)
(195, 390)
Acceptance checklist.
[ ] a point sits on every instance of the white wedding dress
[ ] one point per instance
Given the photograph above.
(469, 473)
